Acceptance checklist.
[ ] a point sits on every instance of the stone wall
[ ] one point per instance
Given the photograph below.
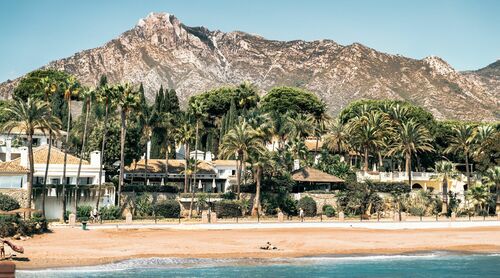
(127, 199)
(19, 195)
(320, 199)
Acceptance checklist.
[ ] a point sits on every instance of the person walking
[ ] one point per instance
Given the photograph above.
(301, 215)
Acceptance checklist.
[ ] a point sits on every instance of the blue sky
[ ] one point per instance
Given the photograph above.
(465, 33)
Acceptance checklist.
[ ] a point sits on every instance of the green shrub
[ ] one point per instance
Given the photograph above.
(289, 206)
(308, 205)
(143, 206)
(83, 211)
(8, 203)
(110, 213)
(12, 225)
(227, 208)
(168, 208)
(229, 195)
(169, 188)
(328, 210)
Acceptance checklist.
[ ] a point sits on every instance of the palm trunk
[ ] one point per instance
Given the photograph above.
(366, 160)
(195, 169)
(103, 145)
(45, 177)
(380, 161)
(408, 167)
(31, 171)
(166, 160)
(467, 170)
(316, 147)
(238, 176)
(82, 151)
(146, 164)
(256, 202)
(65, 162)
(186, 160)
(123, 133)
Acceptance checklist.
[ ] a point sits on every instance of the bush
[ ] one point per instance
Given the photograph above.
(169, 188)
(389, 187)
(229, 195)
(8, 203)
(308, 205)
(110, 213)
(143, 206)
(83, 211)
(168, 209)
(289, 206)
(227, 208)
(13, 224)
(328, 210)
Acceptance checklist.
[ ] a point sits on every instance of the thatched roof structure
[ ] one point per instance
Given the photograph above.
(311, 175)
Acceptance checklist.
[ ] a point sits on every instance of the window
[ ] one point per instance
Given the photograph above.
(85, 181)
(221, 172)
(233, 172)
(55, 181)
(38, 180)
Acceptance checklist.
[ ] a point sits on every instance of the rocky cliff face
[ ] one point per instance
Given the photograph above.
(160, 50)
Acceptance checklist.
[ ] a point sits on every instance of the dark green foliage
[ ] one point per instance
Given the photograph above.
(110, 213)
(169, 188)
(328, 210)
(13, 224)
(389, 187)
(227, 208)
(308, 205)
(229, 195)
(83, 211)
(289, 99)
(3, 116)
(332, 165)
(8, 203)
(168, 208)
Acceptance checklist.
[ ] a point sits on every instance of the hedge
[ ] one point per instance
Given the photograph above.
(150, 188)
(168, 209)
(328, 210)
(308, 205)
(8, 203)
(227, 208)
(83, 211)
(12, 225)
(110, 213)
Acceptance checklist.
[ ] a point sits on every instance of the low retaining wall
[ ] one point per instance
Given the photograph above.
(320, 199)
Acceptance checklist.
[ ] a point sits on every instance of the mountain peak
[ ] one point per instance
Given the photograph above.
(439, 65)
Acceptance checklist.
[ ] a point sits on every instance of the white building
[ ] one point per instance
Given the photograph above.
(14, 174)
(11, 142)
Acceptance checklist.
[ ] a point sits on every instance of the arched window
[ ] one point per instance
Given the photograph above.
(416, 186)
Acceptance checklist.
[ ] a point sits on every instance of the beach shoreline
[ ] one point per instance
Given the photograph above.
(72, 247)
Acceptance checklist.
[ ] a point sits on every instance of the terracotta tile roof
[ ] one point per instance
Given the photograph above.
(175, 166)
(308, 174)
(221, 162)
(56, 157)
(12, 167)
(311, 144)
(19, 130)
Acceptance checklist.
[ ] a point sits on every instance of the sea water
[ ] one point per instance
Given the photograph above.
(438, 264)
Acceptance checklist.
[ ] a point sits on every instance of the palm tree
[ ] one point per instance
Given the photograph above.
(463, 141)
(128, 100)
(411, 138)
(368, 132)
(485, 137)
(167, 122)
(320, 125)
(197, 110)
(72, 88)
(337, 137)
(87, 96)
(492, 179)
(105, 95)
(239, 141)
(49, 88)
(260, 159)
(479, 194)
(300, 125)
(148, 119)
(29, 116)
(184, 135)
(444, 170)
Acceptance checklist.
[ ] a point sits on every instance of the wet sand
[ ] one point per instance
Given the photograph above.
(74, 247)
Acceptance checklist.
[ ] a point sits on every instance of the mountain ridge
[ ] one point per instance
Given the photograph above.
(161, 50)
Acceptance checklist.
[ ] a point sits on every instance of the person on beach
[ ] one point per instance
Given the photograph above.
(268, 246)
(301, 215)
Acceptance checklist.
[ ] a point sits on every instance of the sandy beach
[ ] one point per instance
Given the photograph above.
(67, 246)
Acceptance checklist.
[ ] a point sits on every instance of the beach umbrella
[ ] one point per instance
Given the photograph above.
(162, 181)
(199, 185)
(213, 184)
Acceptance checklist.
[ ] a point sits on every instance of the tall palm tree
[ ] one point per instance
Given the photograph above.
(72, 88)
(128, 100)
(337, 137)
(29, 116)
(320, 126)
(49, 88)
(166, 121)
(105, 96)
(238, 142)
(148, 119)
(184, 135)
(463, 141)
(198, 110)
(260, 159)
(492, 179)
(87, 96)
(484, 138)
(444, 171)
(479, 195)
(411, 138)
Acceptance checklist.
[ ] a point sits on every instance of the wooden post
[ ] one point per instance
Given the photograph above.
(7, 270)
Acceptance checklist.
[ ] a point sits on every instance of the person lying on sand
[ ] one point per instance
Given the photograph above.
(268, 246)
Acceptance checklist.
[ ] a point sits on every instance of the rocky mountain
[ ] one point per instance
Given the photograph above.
(160, 50)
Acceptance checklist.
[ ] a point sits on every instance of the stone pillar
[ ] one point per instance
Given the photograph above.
(341, 216)
(128, 218)
(204, 217)
(498, 216)
(403, 216)
(7, 269)
(280, 217)
(453, 216)
(395, 217)
(72, 219)
(213, 217)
